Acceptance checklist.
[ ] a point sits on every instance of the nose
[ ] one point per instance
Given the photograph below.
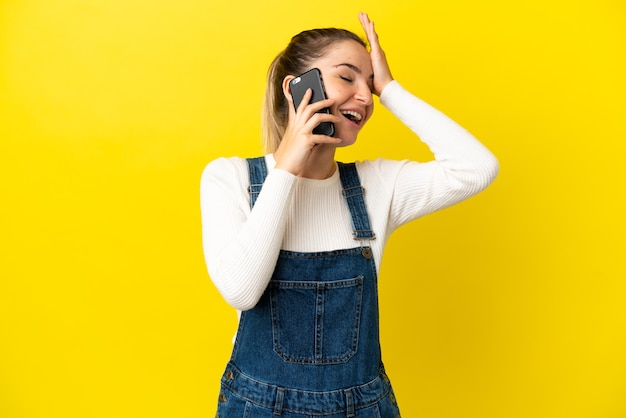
(363, 94)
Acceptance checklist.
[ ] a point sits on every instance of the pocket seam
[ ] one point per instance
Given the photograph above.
(318, 286)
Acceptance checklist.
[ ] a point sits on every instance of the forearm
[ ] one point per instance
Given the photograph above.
(452, 145)
(241, 248)
(462, 166)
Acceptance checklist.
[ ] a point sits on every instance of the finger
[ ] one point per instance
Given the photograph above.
(322, 104)
(364, 19)
(306, 108)
(324, 139)
(305, 115)
(319, 118)
(368, 26)
(293, 112)
(382, 73)
(370, 31)
(305, 100)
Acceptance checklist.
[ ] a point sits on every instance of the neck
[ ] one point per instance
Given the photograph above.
(318, 171)
(319, 166)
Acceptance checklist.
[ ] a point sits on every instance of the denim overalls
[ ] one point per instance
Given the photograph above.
(310, 347)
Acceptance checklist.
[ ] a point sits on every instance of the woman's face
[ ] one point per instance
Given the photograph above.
(347, 73)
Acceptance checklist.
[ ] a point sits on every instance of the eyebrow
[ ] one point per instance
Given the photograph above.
(353, 68)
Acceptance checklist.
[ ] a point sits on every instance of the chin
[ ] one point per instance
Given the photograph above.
(347, 138)
(345, 142)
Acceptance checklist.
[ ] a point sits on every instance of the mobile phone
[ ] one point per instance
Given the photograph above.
(312, 79)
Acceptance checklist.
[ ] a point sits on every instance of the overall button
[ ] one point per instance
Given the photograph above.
(229, 375)
(366, 252)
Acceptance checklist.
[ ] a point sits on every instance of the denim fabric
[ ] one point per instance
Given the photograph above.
(310, 347)
(311, 333)
(353, 193)
(242, 396)
(258, 172)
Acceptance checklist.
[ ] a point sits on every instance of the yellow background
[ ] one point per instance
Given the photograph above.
(511, 304)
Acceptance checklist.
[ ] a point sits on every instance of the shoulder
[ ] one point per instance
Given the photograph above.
(222, 164)
(225, 168)
(226, 173)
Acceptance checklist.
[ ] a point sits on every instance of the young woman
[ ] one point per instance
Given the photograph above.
(293, 240)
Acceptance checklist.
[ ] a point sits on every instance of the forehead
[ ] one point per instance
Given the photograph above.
(347, 52)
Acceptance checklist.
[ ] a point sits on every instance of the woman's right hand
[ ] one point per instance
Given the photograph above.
(299, 140)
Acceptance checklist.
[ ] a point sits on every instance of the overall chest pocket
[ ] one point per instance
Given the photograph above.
(316, 322)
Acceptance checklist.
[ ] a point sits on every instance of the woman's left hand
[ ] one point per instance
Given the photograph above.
(382, 73)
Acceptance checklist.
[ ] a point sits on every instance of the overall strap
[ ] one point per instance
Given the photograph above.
(257, 171)
(353, 193)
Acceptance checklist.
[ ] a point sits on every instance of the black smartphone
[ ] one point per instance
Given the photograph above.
(312, 79)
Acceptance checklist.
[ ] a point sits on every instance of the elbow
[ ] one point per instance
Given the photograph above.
(483, 173)
(473, 179)
(490, 169)
(235, 291)
(241, 303)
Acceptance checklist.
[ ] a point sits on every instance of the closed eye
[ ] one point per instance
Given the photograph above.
(349, 80)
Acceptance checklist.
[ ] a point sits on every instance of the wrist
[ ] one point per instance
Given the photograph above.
(382, 85)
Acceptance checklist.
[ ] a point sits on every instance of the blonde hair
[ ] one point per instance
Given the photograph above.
(295, 59)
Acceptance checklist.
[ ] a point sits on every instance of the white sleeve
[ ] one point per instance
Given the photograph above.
(462, 166)
(241, 246)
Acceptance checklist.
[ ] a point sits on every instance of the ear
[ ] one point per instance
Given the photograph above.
(286, 89)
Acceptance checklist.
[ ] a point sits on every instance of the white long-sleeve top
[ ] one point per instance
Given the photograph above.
(241, 246)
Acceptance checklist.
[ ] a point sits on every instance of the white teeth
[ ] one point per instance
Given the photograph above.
(355, 115)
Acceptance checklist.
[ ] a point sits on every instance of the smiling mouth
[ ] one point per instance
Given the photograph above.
(353, 116)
